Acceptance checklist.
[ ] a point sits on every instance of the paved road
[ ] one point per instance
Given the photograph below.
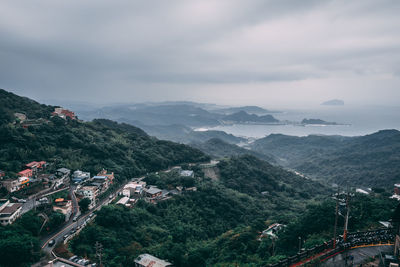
(359, 255)
(66, 229)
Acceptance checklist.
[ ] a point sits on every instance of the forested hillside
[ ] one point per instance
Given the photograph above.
(371, 160)
(217, 225)
(250, 175)
(221, 149)
(290, 150)
(11, 103)
(123, 149)
(91, 146)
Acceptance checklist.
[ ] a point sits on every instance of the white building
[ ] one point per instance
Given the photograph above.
(362, 191)
(80, 176)
(186, 173)
(146, 260)
(11, 185)
(123, 201)
(133, 188)
(90, 192)
(9, 212)
(272, 230)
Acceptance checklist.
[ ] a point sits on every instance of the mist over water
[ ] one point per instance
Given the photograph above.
(357, 121)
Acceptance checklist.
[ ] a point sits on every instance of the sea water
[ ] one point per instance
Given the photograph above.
(353, 121)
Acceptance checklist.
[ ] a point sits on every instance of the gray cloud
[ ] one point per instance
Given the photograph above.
(222, 51)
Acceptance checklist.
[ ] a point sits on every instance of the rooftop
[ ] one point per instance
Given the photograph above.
(64, 170)
(149, 260)
(100, 177)
(32, 164)
(89, 187)
(186, 173)
(25, 171)
(10, 209)
(153, 190)
(123, 200)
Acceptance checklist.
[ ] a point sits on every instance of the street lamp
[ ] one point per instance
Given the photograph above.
(299, 244)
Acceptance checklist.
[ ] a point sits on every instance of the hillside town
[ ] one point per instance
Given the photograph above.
(41, 186)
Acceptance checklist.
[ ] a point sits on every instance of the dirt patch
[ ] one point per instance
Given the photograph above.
(212, 172)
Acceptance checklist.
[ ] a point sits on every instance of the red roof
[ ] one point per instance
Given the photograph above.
(32, 164)
(25, 172)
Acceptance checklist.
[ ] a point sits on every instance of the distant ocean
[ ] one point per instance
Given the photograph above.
(359, 121)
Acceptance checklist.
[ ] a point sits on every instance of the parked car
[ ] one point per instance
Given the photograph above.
(44, 200)
(52, 242)
(65, 236)
(22, 200)
(73, 258)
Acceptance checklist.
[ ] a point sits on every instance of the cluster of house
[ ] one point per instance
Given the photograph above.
(92, 187)
(134, 190)
(23, 120)
(64, 113)
(143, 260)
(25, 177)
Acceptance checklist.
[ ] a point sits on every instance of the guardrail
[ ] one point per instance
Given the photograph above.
(325, 251)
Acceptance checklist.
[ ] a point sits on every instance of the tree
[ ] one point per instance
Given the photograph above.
(56, 219)
(84, 204)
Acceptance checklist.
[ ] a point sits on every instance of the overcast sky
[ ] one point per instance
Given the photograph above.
(270, 53)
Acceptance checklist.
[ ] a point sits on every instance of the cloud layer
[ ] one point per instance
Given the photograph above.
(225, 51)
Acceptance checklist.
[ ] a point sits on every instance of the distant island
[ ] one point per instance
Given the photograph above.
(333, 102)
(244, 117)
(317, 122)
(248, 109)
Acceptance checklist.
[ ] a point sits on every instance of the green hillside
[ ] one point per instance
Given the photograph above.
(371, 160)
(11, 103)
(217, 224)
(121, 148)
(218, 148)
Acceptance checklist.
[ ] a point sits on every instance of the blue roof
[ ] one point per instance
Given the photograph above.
(100, 177)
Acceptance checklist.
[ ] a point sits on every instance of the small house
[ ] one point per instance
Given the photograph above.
(63, 172)
(147, 260)
(186, 173)
(9, 212)
(152, 192)
(26, 173)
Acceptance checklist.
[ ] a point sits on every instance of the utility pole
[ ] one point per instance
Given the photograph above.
(346, 224)
(273, 244)
(336, 219)
(99, 251)
(299, 244)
